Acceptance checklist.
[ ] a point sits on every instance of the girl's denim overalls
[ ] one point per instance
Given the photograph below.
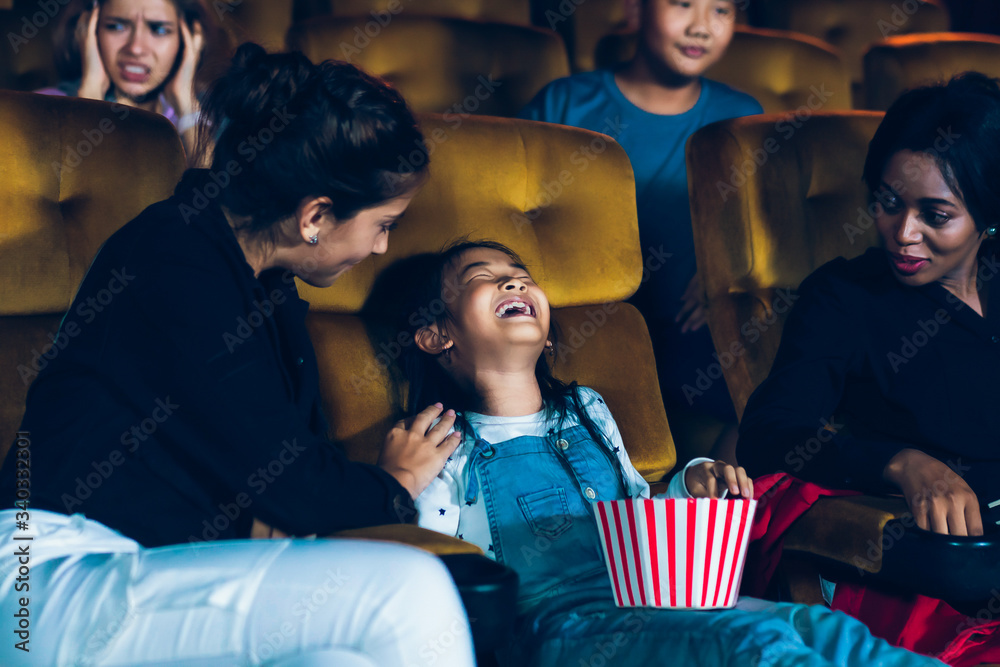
(537, 493)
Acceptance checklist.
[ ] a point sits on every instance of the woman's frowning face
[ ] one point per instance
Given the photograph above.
(139, 41)
(925, 227)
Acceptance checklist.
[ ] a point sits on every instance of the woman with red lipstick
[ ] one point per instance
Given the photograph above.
(150, 54)
(896, 353)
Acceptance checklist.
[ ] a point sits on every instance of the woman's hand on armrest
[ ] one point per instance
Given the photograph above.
(940, 500)
(415, 451)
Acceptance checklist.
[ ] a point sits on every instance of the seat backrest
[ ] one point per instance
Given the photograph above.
(442, 65)
(783, 70)
(73, 171)
(264, 23)
(897, 64)
(851, 25)
(771, 201)
(517, 12)
(574, 224)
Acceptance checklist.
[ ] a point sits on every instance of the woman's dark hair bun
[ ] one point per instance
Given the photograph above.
(259, 82)
(288, 129)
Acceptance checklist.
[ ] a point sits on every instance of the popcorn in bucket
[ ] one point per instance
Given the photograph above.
(675, 553)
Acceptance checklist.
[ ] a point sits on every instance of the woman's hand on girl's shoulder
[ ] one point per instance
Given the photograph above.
(711, 480)
(416, 449)
(940, 500)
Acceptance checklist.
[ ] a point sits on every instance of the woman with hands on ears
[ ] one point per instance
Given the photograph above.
(155, 55)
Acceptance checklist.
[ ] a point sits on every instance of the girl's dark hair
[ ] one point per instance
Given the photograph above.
(217, 50)
(958, 124)
(426, 302)
(286, 129)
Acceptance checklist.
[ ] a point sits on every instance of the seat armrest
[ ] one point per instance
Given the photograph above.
(846, 529)
(428, 540)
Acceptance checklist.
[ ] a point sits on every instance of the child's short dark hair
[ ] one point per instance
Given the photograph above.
(958, 124)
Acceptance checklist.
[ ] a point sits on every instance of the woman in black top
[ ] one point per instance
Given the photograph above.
(185, 406)
(886, 376)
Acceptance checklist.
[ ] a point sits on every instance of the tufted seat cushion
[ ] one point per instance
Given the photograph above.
(897, 64)
(564, 199)
(64, 163)
(442, 65)
(851, 25)
(772, 200)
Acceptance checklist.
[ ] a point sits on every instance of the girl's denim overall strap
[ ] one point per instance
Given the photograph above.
(537, 492)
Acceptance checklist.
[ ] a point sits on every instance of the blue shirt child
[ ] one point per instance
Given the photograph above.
(655, 146)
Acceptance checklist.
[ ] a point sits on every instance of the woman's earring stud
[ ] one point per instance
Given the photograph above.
(314, 239)
(992, 231)
(550, 348)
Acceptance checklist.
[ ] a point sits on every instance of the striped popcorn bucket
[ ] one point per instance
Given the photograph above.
(677, 553)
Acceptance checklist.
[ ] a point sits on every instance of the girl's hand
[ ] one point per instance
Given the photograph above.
(939, 499)
(95, 82)
(710, 480)
(415, 452)
(180, 90)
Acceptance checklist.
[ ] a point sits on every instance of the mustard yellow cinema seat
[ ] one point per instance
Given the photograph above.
(262, 22)
(771, 201)
(897, 64)
(517, 12)
(442, 65)
(574, 223)
(851, 25)
(69, 178)
(783, 70)
(64, 162)
(564, 199)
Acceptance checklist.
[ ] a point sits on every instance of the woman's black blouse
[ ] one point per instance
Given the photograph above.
(186, 399)
(867, 367)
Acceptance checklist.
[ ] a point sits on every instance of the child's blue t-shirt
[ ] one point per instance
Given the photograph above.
(655, 146)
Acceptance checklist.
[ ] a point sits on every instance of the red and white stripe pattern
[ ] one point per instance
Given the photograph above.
(683, 553)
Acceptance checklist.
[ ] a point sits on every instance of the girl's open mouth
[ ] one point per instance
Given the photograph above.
(515, 308)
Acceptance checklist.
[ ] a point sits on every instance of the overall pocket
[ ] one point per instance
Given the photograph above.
(546, 512)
